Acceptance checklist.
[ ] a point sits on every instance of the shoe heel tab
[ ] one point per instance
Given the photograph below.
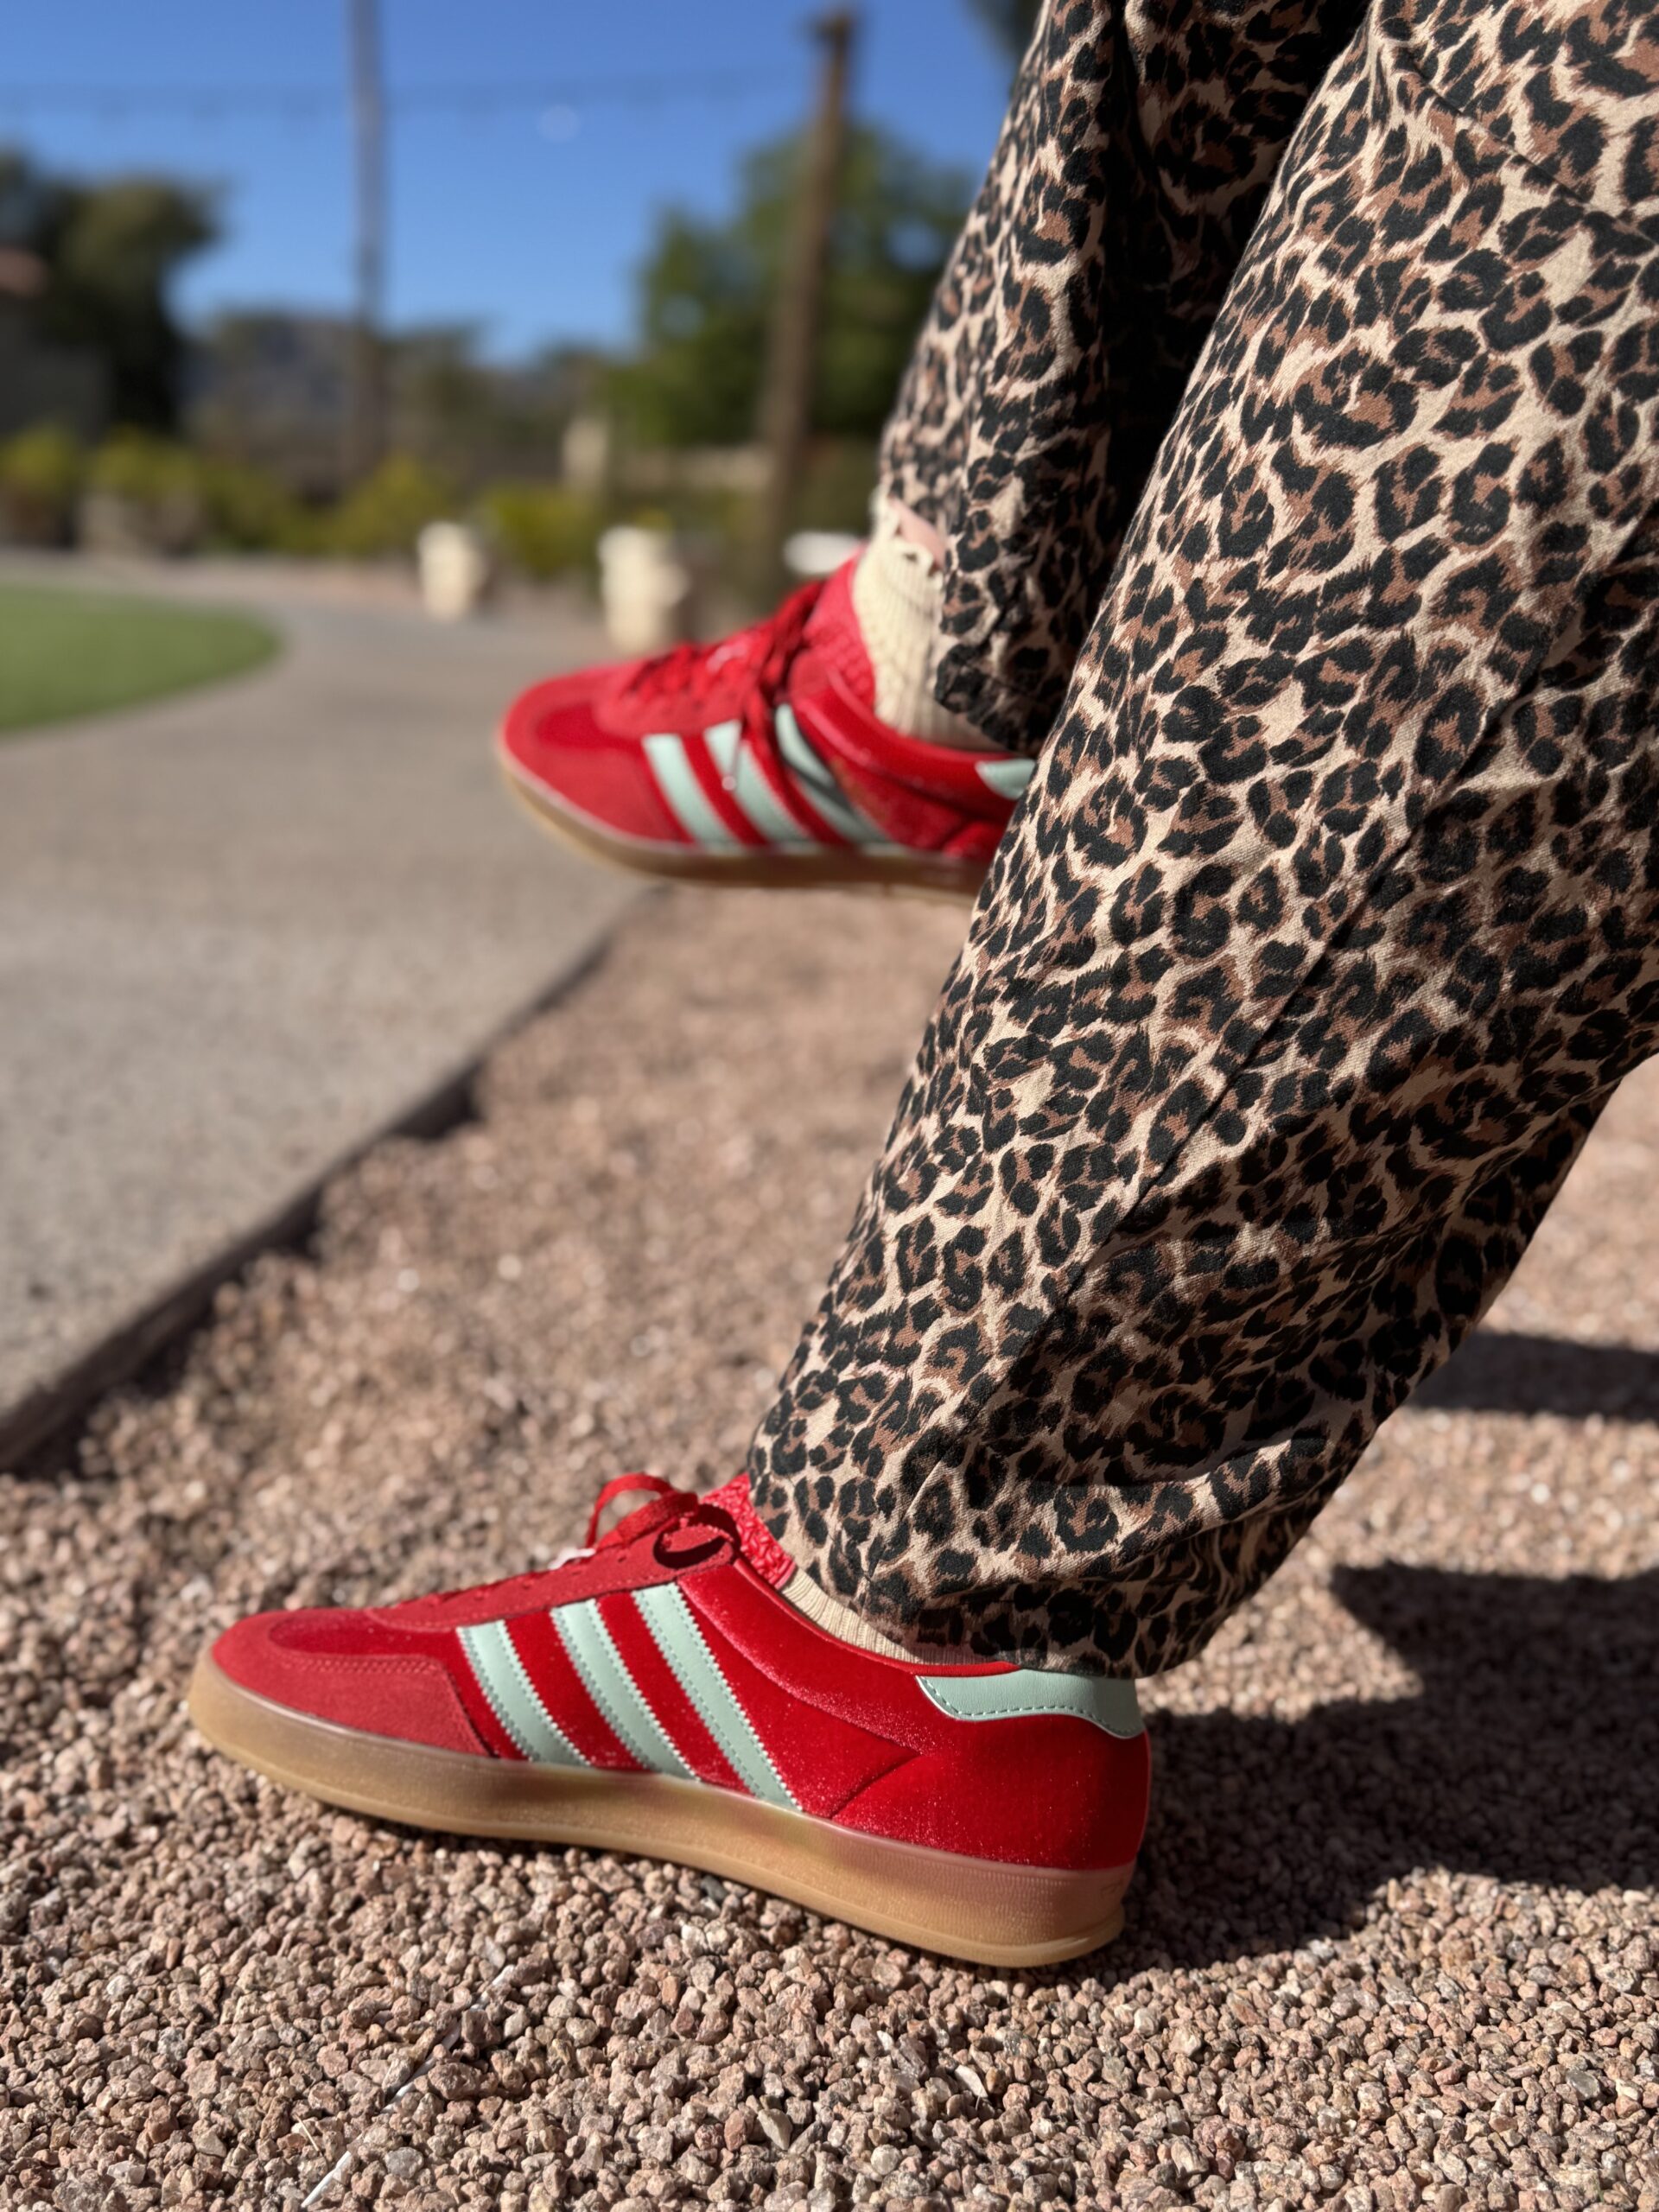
(1008, 775)
(1107, 1702)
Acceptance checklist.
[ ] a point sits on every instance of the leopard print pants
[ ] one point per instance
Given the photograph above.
(1331, 916)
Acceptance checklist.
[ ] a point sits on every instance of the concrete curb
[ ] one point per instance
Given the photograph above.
(54, 1409)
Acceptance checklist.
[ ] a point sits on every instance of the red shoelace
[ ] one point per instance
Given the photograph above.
(661, 1493)
(755, 661)
(667, 1510)
(687, 1528)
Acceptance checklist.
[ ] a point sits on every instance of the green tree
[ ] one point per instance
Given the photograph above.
(707, 289)
(110, 251)
(1010, 23)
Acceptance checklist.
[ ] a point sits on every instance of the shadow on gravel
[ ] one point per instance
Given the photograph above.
(1496, 1371)
(1532, 1755)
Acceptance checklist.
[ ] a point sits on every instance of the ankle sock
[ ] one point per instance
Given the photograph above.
(898, 596)
(840, 1620)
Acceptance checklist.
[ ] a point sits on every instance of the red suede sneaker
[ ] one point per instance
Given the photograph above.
(758, 760)
(655, 1694)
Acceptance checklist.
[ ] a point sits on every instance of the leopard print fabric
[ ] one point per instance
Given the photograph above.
(1134, 157)
(1331, 916)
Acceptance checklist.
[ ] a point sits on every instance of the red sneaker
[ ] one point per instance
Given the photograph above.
(758, 760)
(654, 1694)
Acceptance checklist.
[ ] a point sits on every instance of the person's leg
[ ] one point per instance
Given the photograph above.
(1330, 921)
(827, 744)
(1138, 147)
(1331, 915)
(665, 1689)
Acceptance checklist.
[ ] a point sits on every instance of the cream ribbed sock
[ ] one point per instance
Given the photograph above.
(840, 1620)
(898, 594)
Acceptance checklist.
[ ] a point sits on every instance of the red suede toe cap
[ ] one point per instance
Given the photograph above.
(555, 737)
(544, 723)
(311, 1662)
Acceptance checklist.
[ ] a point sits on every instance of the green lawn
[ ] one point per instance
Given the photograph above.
(65, 653)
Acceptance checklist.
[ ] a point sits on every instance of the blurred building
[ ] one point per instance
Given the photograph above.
(41, 382)
(273, 387)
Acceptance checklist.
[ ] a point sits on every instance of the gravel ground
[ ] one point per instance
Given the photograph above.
(1394, 1941)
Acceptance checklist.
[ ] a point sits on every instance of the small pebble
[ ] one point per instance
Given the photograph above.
(1394, 1942)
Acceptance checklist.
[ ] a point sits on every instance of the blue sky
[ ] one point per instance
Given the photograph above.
(529, 218)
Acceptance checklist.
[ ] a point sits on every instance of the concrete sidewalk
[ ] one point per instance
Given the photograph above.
(241, 930)
(1394, 1938)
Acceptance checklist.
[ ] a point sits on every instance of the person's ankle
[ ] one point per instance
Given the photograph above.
(898, 596)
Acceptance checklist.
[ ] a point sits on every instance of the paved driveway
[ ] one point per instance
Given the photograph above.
(241, 931)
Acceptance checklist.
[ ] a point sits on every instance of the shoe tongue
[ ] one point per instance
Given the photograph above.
(836, 640)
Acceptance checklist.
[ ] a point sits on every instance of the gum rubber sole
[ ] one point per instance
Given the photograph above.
(753, 869)
(974, 1909)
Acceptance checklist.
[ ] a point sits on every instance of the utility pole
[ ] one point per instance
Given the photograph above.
(791, 361)
(365, 432)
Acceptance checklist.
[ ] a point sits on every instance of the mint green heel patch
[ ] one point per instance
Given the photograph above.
(1111, 1705)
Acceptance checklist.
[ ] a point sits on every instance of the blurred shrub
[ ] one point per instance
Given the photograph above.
(139, 493)
(143, 494)
(39, 481)
(147, 471)
(247, 510)
(389, 510)
(541, 529)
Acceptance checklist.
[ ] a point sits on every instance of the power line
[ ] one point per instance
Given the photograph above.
(303, 102)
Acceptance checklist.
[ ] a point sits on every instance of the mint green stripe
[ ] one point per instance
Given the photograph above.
(821, 786)
(759, 801)
(750, 788)
(674, 1627)
(722, 738)
(1110, 1703)
(1007, 779)
(762, 806)
(614, 1689)
(502, 1676)
(676, 780)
